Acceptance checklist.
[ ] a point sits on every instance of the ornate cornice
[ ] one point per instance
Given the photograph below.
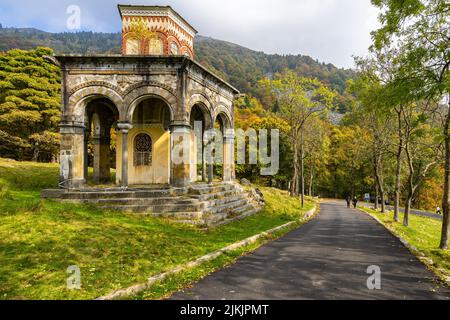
(156, 11)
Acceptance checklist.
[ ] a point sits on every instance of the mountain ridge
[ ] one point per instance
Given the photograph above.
(239, 65)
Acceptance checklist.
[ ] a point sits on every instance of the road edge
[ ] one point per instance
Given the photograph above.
(137, 288)
(428, 262)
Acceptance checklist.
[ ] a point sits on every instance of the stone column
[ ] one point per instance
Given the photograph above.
(228, 157)
(85, 150)
(72, 155)
(124, 128)
(102, 166)
(180, 166)
(203, 163)
(208, 160)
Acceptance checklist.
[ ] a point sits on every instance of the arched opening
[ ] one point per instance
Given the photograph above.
(149, 141)
(220, 125)
(222, 168)
(100, 141)
(174, 49)
(156, 46)
(200, 121)
(133, 46)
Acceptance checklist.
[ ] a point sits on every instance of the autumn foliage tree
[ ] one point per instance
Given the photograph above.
(420, 30)
(299, 99)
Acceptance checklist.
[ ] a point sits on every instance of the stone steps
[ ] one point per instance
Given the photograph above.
(205, 189)
(93, 195)
(227, 207)
(244, 214)
(156, 206)
(223, 200)
(214, 196)
(240, 212)
(154, 209)
(178, 216)
(141, 201)
(220, 219)
(200, 204)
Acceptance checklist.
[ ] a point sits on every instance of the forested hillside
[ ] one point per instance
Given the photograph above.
(243, 67)
(81, 42)
(240, 66)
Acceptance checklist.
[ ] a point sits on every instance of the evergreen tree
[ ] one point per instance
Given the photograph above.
(29, 105)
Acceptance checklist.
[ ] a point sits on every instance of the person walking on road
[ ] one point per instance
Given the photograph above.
(438, 210)
(355, 202)
(349, 201)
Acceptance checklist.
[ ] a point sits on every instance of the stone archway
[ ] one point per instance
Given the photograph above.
(222, 113)
(223, 122)
(99, 140)
(150, 117)
(200, 121)
(143, 91)
(75, 131)
(87, 92)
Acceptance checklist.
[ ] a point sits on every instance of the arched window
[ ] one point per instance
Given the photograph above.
(132, 46)
(187, 54)
(156, 46)
(142, 150)
(174, 49)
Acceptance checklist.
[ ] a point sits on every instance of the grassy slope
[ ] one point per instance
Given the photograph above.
(423, 233)
(39, 239)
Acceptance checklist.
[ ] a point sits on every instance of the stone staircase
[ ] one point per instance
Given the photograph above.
(201, 204)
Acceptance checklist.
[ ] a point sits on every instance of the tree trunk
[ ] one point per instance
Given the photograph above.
(446, 198)
(379, 172)
(302, 171)
(410, 176)
(311, 178)
(411, 188)
(379, 185)
(295, 171)
(376, 197)
(397, 191)
(297, 185)
(383, 202)
(398, 170)
(407, 209)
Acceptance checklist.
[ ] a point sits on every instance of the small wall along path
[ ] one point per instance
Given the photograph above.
(133, 290)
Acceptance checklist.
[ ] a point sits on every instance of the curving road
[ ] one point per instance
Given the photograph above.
(325, 259)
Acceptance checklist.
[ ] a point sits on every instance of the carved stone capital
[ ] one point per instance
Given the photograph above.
(124, 127)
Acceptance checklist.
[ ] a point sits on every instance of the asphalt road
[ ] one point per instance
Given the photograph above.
(324, 259)
(420, 213)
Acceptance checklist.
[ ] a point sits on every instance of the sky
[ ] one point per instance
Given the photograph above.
(331, 31)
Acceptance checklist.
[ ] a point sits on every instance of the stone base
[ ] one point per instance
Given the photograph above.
(199, 204)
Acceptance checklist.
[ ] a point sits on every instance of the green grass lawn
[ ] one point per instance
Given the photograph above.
(423, 233)
(40, 239)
